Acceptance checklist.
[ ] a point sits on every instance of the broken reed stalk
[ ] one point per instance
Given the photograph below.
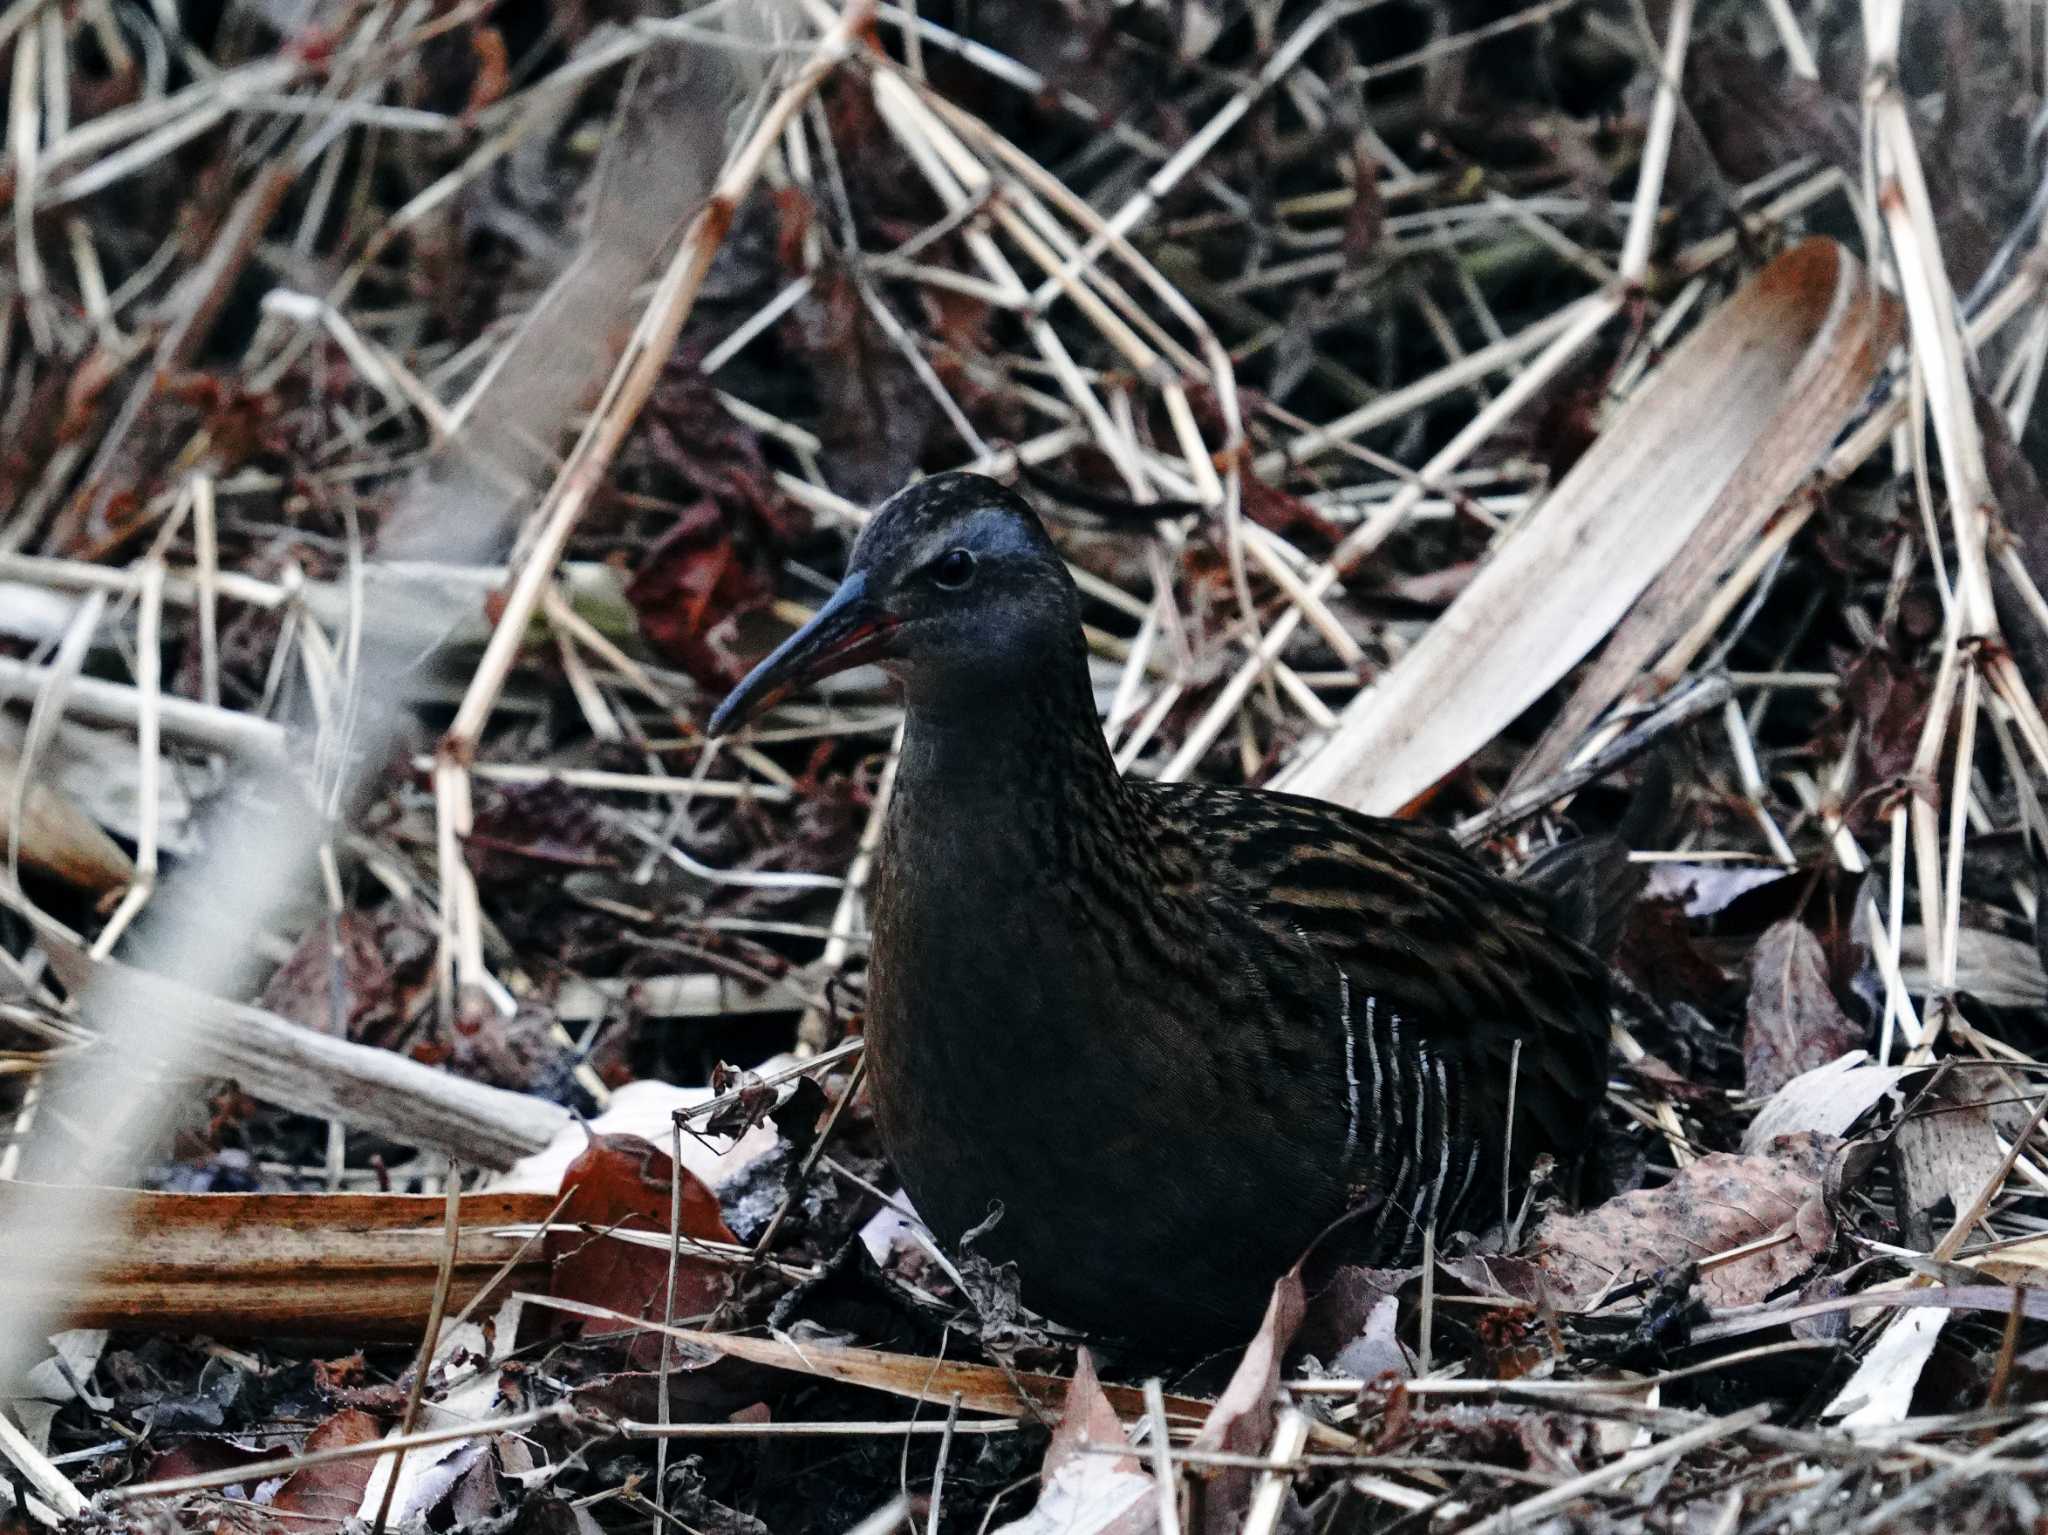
(331, 1266)
(1701, 698)
(148, 739)
(1971, 643)
(365, 1087)
(632, 380)
(205, 727)
(43, 1479)
(1904, 207)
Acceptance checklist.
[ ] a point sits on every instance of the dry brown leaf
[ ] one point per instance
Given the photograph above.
(2002, 971)
(1086, 1420)
(197, 1457)
(1881, 1390)
(1795, 1023)
(1241, 1422)
(1886, 693)
(358, 976)
(1949, 1146)
(57, 838)
(1719, 1203)
(459, 1490)
(332, 1491)
(2018, 1263)
(623, 1182)
(1351, 1323)
(1083, 1492)
(692, 587)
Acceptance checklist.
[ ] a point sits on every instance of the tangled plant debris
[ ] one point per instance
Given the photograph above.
(413, 418)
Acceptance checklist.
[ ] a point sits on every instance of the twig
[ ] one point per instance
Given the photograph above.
(423, 1363)
(1165, 1480)
(42, 1478)
(946, 1432)
(264, 1470)
(668, 1313)
(1675, 713)
(1522, 1515)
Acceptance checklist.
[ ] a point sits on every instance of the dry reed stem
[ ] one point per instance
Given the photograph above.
(451, 1238)
(42, 1478)
(1092, 282)
(633, 379)
(172, 1487)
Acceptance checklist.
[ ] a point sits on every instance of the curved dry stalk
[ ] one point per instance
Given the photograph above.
(632, 380)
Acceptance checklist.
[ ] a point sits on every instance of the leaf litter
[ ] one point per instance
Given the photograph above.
(297, 314)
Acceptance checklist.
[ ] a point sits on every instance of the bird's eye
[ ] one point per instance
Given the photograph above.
(953, 570)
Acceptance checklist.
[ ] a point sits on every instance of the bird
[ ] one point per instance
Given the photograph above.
(1166, 1035)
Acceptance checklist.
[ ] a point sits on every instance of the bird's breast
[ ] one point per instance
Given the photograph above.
(1064, 1047)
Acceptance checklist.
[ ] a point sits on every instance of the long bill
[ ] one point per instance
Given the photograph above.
(848, 630)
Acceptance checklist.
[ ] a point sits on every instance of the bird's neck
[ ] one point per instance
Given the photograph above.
(1007, 734)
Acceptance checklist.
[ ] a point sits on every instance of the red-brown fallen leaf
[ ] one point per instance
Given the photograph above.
(875, 418)
(721, 556)
(527, 829)
(196, 1457)
(347, 1381)
(1719, 1203)
(1086, 1419)
(493, 71)
(335, 1490)
(622, 1182)
(361, 977)
(239, 422)
(84, 388)
(1082, 1491)
(1288, 515)
(691, 584)
(795, 217)
(1887, 695)
(1367, 219)
(1795, 1023)
(1241, 1422)
(1659, 954)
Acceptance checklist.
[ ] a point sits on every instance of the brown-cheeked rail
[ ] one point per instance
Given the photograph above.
(1176, 1031)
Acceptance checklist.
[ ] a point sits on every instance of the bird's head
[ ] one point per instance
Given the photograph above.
(953, 588)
